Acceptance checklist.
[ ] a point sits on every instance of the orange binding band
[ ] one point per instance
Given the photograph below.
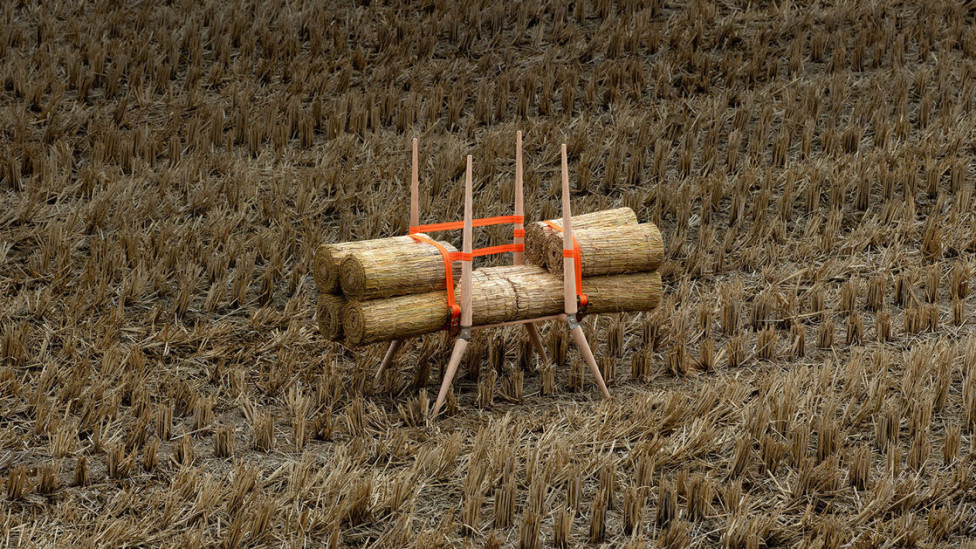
(519, 233)
(454, 225)
(577, 256)
(492, 250)
(461, 256)
(448, 273)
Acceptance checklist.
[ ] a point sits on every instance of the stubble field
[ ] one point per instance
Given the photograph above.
(167, 172)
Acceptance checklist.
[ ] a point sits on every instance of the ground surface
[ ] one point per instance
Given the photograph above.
(166, 173)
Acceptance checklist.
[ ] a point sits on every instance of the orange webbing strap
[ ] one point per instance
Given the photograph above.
(448, 274)
(453, 225)
(492, 250)
(577, 256)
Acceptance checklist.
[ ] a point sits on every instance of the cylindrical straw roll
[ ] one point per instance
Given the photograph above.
(506, 294)
(517, 292)
(608, 251)
(535, 233)
(408, 268)
(500, 294)
(328, 313)
(328, 257)
(627, 293)
(366, 322)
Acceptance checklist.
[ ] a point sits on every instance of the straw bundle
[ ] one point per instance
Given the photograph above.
(536, 233)
(518, 292)
(505, 294)
(325, 267)
(628, 293)
(328, 313)
(406, 268)
(366, 322)
(607, 251)
(500, 294)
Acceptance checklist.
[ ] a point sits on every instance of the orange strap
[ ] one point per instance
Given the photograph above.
(449, 257)
(492, 250)
(448, 273)
(454, 225)
(577, 256)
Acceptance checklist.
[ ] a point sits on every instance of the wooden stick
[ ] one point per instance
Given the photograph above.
(518, 258)
(391, 352)
(569, 284)
(467, 244)
(460, 345)
(536, 340)
(415, 186)
(569, 267)
(584, 348)
(528, 321)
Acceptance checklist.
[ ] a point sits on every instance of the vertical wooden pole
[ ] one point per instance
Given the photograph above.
(391, 352)
(518, 258)
(415, 185)
(569, 283)
(569, 266)
(467, 245)
(462, 341)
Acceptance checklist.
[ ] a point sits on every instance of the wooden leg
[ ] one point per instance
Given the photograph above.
(584, 348)
(388, 357)
(536, 340)
(459, 346)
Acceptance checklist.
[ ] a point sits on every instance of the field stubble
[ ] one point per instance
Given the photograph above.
(167, 172)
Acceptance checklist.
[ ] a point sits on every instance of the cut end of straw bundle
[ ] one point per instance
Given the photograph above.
(328, 313)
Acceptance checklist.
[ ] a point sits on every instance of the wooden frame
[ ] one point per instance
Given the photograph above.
(570, 313)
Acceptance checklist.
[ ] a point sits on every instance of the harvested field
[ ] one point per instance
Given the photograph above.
(167, 172)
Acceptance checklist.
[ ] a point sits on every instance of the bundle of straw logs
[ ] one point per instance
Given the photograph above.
(373, 268)
(395, 288)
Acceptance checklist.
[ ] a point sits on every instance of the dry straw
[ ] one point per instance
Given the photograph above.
(401, 317)
(499, 295)
(328, 314)
(537, 234)
(612, 250)
(406, 268)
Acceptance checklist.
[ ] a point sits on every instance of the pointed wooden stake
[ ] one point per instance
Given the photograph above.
(391, 352)
(415, 185)
(580, 338)
(462, 341)
(536, 340)
(459, 346)
(466, 248)
(518, 258)
(569, 283)
(569, 266)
